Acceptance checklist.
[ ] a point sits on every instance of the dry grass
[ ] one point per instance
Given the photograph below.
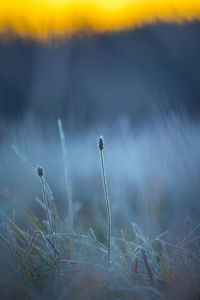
(39, 263)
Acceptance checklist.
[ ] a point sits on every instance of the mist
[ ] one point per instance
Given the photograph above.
(152, 170)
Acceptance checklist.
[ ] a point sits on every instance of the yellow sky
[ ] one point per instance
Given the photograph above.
(41, 19)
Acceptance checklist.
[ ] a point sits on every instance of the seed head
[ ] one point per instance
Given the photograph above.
(101, 143)
(40, 171)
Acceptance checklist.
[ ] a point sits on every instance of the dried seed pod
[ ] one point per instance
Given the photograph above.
(101, 143)
(40, 171)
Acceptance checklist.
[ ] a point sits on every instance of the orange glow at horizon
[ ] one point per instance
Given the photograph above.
(43, 19)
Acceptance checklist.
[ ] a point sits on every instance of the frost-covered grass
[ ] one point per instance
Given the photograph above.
(140, 268)
(46, 255)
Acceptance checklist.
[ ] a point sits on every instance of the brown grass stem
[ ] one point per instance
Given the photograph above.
(144, 256)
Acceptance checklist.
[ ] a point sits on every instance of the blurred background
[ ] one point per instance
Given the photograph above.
(140, 89)
(102, 77)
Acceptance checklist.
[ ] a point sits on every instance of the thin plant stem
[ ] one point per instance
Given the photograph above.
(106, 195)
(46, 203)
(68, 184)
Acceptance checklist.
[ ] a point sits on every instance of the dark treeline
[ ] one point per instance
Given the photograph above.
(102, 77)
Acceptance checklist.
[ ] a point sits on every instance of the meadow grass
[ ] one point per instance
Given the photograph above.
(44, 265)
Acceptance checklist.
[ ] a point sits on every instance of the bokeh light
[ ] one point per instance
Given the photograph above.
(43, 19)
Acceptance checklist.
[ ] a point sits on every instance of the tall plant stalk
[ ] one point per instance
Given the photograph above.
(40, 173)
(68, 185)
(106, 195)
